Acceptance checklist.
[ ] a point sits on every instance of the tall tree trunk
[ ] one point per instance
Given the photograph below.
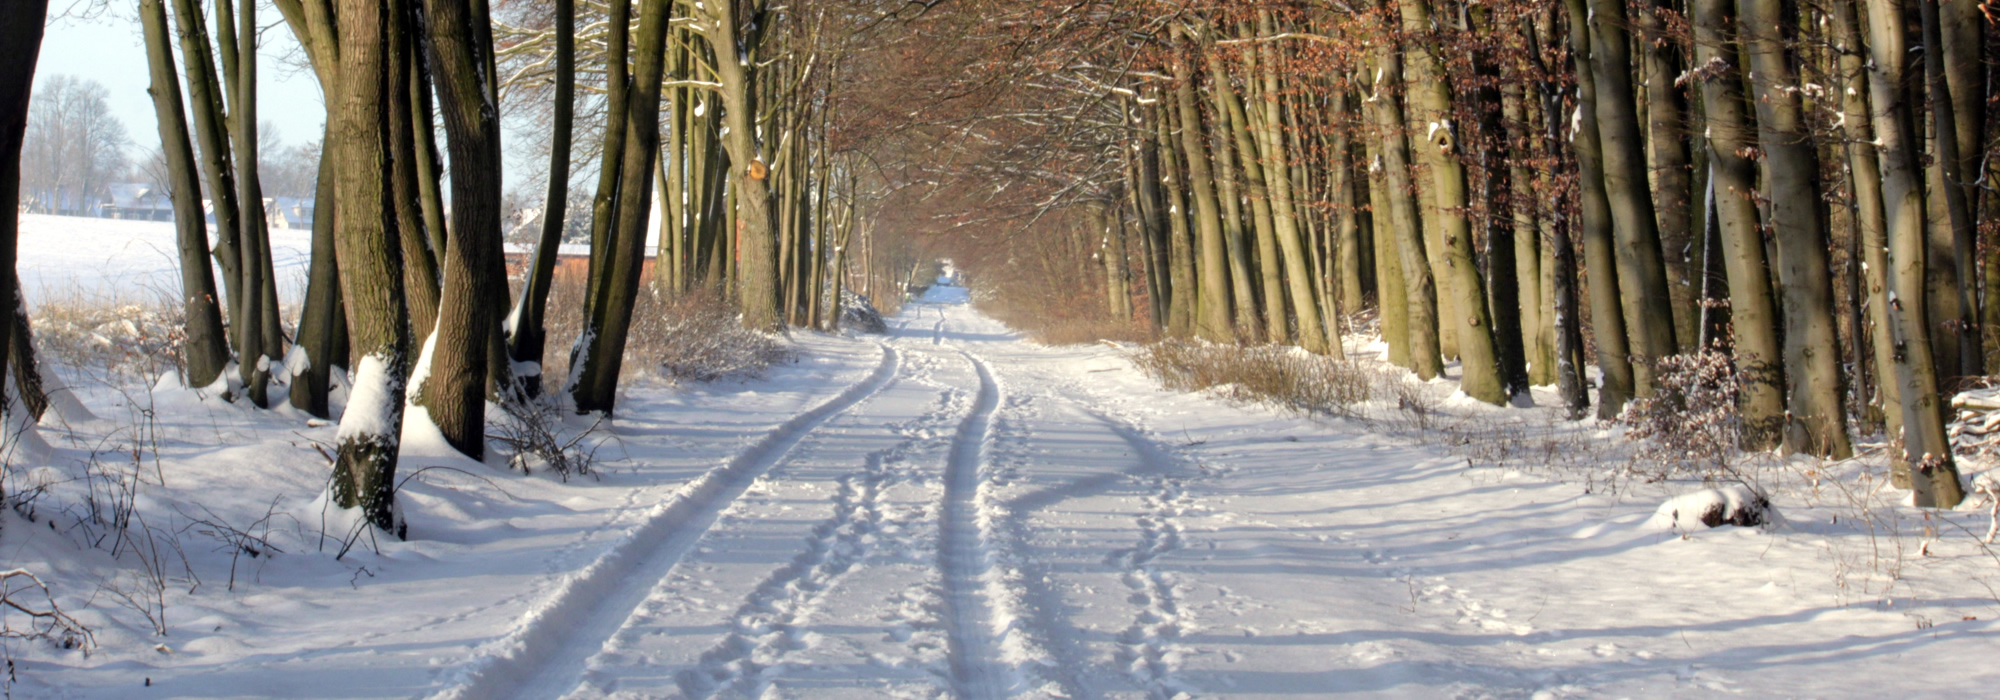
(527, 338)
(1392, 298)
(1250, 157)
(1317, 327)
(1426, 358)
(757, 280)
(370, 433)
(1948, 170)
(1817, 422)
(1181, 246)
(210, 135)
(456, 355)
(1935, 478)
(317, 336)
(610, 317)
(206, 348)
(1480, 376)
(1536, 348)
(1666, 107)
(422, 279)
(1641, 271)
(1759, 358)
(1595, 219)
(1212, 301)
(254, 365)
(20, 31)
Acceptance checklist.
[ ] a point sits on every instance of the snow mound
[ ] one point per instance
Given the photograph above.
(1735, 504)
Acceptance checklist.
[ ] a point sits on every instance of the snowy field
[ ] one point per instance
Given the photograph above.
(950, 511)
(109, 259)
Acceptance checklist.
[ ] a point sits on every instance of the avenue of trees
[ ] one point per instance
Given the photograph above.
(1521, 186)
(1524, 186)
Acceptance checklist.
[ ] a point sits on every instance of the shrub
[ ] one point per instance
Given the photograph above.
(1690, 425)
(1282, 375)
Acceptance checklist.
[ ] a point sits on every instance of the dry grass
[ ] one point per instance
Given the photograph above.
(136, 338)
(1275, 374)
(1062, 321)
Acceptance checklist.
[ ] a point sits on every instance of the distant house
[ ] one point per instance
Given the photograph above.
(289, 212)
(279, 212)
(139, 202)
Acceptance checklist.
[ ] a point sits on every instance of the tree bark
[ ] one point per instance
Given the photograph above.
(1817, 414)
(1641, 271)
(1426, 358)
(1934, 477)
(1212, 302)
(459, 42)
(206, 347)
(1607, 314)
(757, 278)
(1480, 376)
(610, 317)
(371, 277)
(527, 336)
(1759, 358)
(205, 98)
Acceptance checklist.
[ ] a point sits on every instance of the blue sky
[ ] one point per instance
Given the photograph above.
(110, 50)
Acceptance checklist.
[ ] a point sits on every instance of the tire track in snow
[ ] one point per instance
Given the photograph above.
(771, 622)
(963, 556)
(544, 656)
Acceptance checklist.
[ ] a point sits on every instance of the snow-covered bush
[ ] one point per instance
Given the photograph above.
(1690, 426)
(1735, 504)
(697, 338)
(693, 336)
(859, 314)
(1276, 374)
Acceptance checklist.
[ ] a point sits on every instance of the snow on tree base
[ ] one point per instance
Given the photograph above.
(1735, 504)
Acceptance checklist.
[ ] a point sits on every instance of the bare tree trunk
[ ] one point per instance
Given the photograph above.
(206, 347)
(1759, 358)
(1865, 176)
(1925, 446)
(1212, 302)
(318, 337)
(364, 471)
(1480, 376)
(205, 101)
(610, 317)
(1181, 247)
(1426, 357)
(1606, 308)
(1666, 107)
(1641, 272)
(459, 40)
(20, 31)
(1948, 165)
(1817, 414)
(527, 338)
(757, 279)
(422, 280)
(1317, 328)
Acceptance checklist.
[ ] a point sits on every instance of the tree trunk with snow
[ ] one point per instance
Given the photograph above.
(206, 348)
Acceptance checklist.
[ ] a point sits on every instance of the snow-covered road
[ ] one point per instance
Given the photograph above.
(950, 511)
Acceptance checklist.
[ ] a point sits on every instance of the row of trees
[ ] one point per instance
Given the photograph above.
(73, 147)
(713, 119)
(1796, 184)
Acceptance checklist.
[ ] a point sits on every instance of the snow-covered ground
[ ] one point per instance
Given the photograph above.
(953, 512)
(112, 259)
